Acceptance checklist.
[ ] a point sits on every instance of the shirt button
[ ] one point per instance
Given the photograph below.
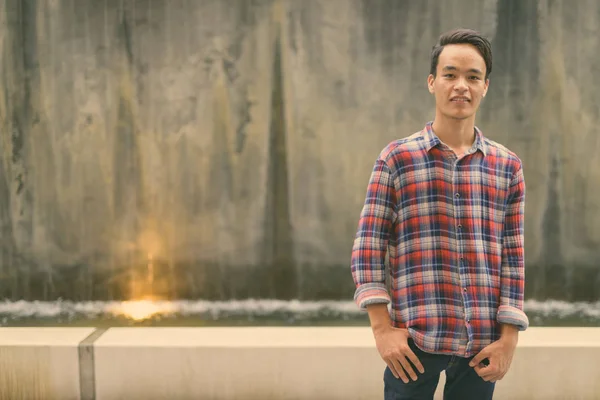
(465, 290)
(457, 195)
(459, 226)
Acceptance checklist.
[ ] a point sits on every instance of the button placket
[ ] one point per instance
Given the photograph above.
(459, 244)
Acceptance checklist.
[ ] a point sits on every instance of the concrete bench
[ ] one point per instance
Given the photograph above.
(260, 363)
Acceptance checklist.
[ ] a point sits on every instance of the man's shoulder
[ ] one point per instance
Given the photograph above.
(500, 151)
(408, 144)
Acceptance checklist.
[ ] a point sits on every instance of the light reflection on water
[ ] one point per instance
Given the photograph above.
(142, 309)
(149, 310)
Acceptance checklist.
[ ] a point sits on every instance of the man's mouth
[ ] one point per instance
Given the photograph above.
(460, 99)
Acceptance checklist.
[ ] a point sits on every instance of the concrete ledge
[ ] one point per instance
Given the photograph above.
(265, 363)
(40, 363)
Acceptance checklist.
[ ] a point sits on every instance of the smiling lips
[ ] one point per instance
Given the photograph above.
(460, 99)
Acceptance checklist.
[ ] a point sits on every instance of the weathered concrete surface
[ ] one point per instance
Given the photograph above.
(308, 363)
(222, 149)
(40, 363)
(264, 363)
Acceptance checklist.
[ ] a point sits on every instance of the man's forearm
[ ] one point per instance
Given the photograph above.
(379, 317)
(372, 237)
(512, 277)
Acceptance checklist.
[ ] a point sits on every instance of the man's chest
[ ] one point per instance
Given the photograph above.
(434, 186)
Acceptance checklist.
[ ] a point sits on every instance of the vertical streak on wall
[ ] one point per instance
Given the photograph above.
(18, 90)
(128, 196)
(552, 73)
(279, 247)
(40, 144)
(6, 235)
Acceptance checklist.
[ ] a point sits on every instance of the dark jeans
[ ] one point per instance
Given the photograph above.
(462, 382)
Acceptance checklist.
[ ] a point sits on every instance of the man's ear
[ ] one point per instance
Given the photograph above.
(430, 80)
(487, 85)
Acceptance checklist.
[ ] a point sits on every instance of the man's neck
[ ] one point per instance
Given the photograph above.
(458, 134)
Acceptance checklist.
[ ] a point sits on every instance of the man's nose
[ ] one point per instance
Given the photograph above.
(461, 85)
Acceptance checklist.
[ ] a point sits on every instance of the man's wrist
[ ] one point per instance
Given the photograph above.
(380, 328)
(509, 333)
(379, 317)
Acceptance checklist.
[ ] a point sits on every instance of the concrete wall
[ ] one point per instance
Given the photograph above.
(261, 363)
(165, 146)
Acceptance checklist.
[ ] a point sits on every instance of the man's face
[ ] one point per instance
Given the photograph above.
(460, 83)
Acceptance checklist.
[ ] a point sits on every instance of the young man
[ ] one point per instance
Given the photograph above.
(446, 204)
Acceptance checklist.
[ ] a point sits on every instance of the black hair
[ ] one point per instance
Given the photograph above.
(463, 36)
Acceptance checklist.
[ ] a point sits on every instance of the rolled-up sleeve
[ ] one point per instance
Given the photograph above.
(512, 281)
(371, 241)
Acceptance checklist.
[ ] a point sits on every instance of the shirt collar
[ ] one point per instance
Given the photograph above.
(432, 140)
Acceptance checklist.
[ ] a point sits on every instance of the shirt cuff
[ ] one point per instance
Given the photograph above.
(513, 316)
(371, 293)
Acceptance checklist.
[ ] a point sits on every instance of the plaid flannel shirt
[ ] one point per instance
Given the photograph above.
(453, 231)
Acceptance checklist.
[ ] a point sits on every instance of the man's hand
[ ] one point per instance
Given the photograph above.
(499, 355)
(392, 344)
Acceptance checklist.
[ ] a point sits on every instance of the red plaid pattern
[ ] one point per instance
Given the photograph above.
(453, 230)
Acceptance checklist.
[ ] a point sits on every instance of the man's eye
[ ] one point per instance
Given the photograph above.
(475, 77)
(449, 76)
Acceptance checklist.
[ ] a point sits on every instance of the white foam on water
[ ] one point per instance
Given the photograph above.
(563, 309)
(94, 309)
(40, 309)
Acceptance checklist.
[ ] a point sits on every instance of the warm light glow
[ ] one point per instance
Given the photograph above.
(142, 309)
